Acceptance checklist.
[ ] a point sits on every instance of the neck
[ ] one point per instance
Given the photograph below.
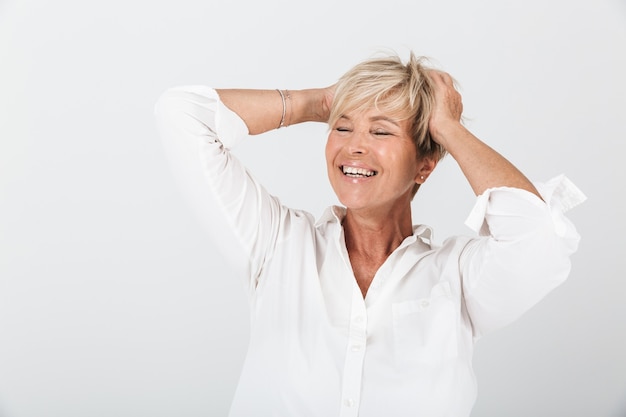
(377, 235)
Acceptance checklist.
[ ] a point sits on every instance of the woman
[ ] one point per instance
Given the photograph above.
(357, 313)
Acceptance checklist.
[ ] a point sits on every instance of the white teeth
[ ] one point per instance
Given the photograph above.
(357, 172)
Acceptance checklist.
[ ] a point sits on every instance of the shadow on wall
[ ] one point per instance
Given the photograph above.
(621, 412)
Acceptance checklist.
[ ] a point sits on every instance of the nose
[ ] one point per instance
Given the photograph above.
(358, 143)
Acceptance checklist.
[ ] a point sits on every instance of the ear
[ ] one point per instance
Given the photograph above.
(425, 166)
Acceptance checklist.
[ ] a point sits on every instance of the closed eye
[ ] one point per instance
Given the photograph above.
(381, 133)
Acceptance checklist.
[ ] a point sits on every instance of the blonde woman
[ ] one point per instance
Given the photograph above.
(357, 313)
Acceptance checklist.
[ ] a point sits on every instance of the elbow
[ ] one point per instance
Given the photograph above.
(178, 112)
(167, 105)
(553, 245)
(187, 109)
(545, 257)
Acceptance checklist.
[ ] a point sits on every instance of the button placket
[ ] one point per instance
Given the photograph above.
(355, 356)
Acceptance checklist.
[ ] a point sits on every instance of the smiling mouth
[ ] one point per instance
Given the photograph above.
(357, 172)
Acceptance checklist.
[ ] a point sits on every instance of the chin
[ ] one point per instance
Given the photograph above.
(355, 203)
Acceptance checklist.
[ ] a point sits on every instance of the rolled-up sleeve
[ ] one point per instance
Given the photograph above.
(523, 253)
(197, 131)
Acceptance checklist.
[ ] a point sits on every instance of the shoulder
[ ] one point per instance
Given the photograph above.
(452, 249)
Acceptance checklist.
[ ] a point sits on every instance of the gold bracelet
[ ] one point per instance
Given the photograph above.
(289, 111)
(282, 118)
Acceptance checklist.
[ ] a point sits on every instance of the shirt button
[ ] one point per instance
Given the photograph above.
(348, 402)
(424, 303)
(355, 348)
(358, 319)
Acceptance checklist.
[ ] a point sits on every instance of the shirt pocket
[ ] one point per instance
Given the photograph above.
(425, 329)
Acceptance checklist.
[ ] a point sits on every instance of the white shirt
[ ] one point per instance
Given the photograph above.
(317, 347)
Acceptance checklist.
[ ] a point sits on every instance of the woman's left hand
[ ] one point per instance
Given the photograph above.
(483, 167)
(448, 106)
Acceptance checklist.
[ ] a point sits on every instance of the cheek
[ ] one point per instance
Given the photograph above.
(405, 164)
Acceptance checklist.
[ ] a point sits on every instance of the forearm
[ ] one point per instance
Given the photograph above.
(262, 110)
(483, 167)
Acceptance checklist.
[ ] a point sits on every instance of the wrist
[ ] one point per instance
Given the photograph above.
(307, 106)
(446, 132)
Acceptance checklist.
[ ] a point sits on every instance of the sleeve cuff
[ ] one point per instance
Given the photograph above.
(231, 129)
(559, 194)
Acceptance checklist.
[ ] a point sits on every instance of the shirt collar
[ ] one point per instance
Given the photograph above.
(335, 214)
(332, 214)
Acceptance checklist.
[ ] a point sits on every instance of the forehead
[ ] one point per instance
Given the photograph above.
(392, 104)
(372, 114)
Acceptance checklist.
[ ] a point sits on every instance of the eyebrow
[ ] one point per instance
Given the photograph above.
(375, 119)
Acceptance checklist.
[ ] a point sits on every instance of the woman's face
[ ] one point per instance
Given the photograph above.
(372, 161)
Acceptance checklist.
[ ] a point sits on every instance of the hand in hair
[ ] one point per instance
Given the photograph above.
(483, 167)
(448, 106)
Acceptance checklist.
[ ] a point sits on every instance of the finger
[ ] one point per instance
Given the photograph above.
(447, 78)
(436, 76)
(439, 73)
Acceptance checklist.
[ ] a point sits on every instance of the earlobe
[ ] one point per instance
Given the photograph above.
(425, 168)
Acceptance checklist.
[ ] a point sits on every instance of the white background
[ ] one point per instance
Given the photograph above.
(113, 301)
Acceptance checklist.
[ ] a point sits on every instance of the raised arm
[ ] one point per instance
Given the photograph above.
(264, 110)
(483, 167)
(198, 126)
(527, 243)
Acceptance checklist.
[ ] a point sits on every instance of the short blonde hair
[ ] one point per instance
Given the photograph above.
(402, 90)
